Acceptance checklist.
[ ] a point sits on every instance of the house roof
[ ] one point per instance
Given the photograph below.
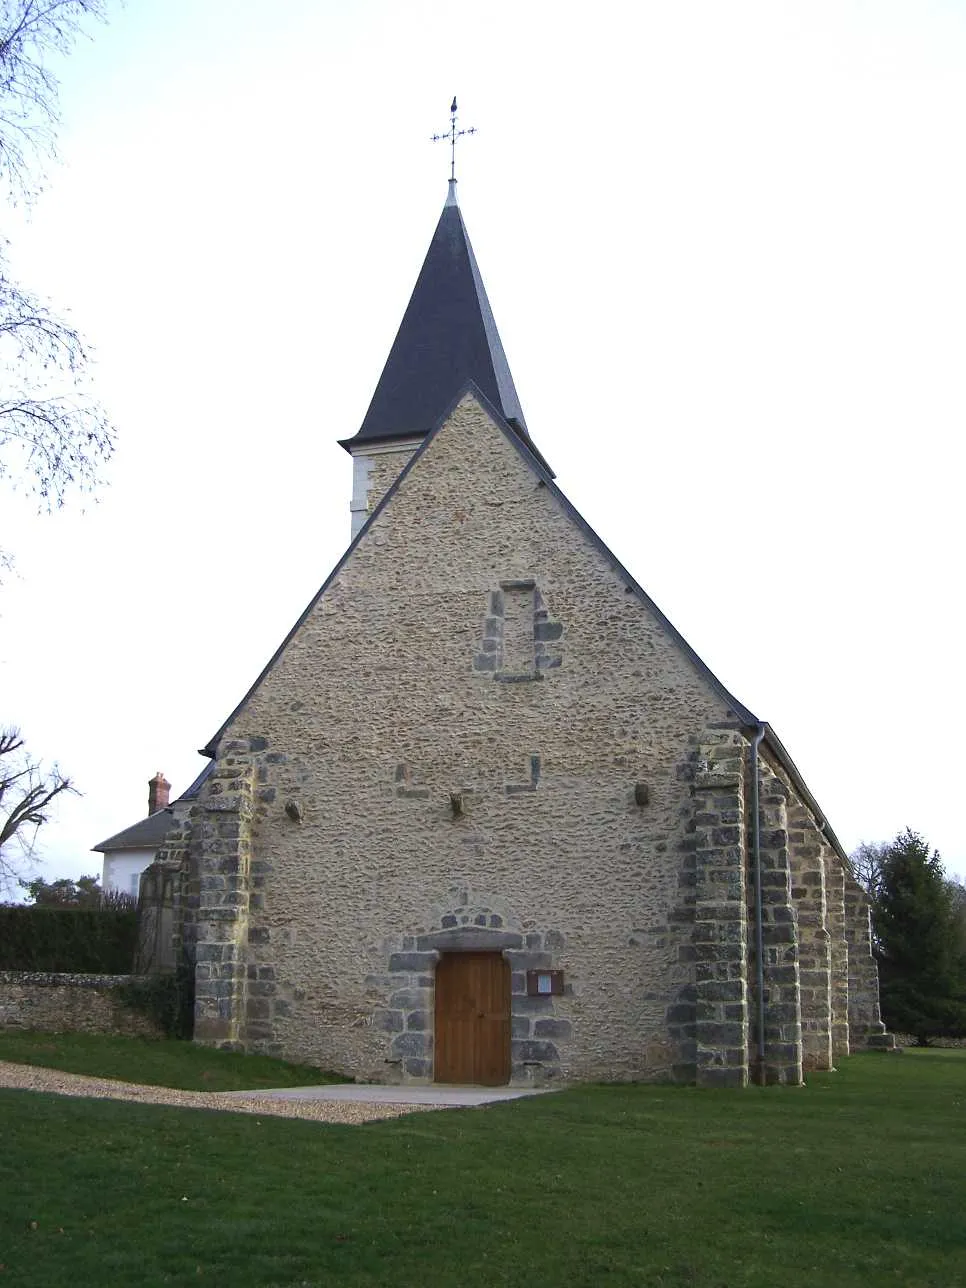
(146, 835)
(149, 833)
(448, 337)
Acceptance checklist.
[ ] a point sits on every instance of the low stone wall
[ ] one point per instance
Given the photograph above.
(70, 1004)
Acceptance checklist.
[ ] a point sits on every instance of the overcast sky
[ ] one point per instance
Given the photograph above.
(724, 244)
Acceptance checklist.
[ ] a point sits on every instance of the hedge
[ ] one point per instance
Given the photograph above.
(96, 941)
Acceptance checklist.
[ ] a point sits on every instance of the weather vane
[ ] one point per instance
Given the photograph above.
(452, 134)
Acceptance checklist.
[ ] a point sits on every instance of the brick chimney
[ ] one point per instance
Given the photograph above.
(159, 790)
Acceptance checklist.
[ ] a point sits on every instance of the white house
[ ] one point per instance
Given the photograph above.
(128, 853)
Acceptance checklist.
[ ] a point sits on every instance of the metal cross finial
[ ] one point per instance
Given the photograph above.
(452, 134)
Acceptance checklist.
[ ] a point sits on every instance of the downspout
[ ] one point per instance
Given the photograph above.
(759, 929)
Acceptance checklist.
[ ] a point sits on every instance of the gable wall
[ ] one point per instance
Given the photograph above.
(383, 705)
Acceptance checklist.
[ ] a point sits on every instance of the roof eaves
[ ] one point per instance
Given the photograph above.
(146, 834)
(535, 461)
(191, 792)
(778, 750)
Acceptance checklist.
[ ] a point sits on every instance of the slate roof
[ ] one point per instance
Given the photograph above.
(151, 831)
(447, 338)
(146, 835)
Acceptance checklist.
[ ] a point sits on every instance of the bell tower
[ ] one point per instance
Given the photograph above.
(447, 337)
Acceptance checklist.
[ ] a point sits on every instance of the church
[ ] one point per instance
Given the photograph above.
(485, 816)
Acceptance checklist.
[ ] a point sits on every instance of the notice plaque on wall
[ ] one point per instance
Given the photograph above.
(545, 983)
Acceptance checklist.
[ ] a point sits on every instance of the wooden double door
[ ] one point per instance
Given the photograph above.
(473, 1019)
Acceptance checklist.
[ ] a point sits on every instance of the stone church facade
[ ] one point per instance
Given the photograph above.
(485, 816)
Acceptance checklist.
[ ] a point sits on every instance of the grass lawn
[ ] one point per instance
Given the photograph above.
(858, 1179)
(157, 1061)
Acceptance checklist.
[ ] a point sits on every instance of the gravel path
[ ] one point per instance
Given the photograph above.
(33, 1078)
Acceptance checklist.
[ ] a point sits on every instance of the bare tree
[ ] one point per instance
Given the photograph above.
(31, 33)
(867, 863)
(54, 437)
(27, 792)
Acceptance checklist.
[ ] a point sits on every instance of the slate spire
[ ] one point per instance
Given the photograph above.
(447, 338)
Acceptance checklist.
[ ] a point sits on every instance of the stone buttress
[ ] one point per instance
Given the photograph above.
(810, 859)
(780, 938)
(820, 991)
(720, 935)
(223, 820)
(865, 1021)
(838, 952)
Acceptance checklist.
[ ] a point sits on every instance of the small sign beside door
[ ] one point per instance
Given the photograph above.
(545, 983)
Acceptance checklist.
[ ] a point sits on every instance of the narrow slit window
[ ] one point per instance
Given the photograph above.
(518, 651)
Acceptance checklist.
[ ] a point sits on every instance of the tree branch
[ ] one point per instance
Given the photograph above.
(29, 106)
(27, 792)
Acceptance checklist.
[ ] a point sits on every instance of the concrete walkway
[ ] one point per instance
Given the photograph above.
(437, 1094)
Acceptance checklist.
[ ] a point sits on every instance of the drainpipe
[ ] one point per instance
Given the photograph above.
(757, 736)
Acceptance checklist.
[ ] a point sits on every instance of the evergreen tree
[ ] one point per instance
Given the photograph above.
(922, 956)
(85, 892)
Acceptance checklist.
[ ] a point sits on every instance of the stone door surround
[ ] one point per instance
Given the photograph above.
(535, 1027)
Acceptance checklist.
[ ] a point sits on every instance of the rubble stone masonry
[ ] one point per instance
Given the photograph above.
(371, 859)
(810, 857)
(66, 1003)
(224, 817)
(480, 738)
(720, 916)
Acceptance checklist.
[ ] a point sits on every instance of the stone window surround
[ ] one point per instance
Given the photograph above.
(546, 655)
